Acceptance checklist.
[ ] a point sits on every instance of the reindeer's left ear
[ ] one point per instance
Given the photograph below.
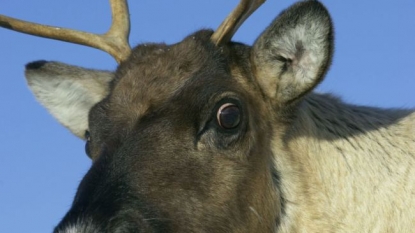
(68, 92)
(291, 57)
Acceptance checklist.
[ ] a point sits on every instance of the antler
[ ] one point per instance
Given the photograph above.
(234, 20)
(114, 41)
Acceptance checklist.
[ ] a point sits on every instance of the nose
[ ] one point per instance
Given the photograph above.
(96, 220)
(105, 203)
(113, 197)
(87, 225)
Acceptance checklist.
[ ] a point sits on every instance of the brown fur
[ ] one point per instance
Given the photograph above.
(297, 162)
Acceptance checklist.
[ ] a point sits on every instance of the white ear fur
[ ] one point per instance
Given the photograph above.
(293, 54)
(68, 92)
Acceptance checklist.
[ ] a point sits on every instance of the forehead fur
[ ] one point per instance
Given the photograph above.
(155, 72)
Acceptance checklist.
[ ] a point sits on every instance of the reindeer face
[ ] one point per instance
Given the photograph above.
(180, 135)
(178, 146)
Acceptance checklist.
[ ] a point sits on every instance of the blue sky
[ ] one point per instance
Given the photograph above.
(41, 163)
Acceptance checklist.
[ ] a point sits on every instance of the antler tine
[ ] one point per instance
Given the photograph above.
(234, 20)
(114, 42)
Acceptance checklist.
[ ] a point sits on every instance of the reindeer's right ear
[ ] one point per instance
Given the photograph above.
(68, 92)
(291, 57)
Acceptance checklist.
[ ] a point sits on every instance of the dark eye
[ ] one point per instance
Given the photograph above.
(229, 116)
(88, 139)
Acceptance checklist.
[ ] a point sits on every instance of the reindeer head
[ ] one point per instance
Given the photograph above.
(183, 136)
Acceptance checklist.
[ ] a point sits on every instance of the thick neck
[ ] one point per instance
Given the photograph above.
(334, 156)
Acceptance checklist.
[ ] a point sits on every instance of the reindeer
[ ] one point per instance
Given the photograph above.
(210, 135)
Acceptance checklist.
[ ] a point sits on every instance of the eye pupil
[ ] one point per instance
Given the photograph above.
(229, 116)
